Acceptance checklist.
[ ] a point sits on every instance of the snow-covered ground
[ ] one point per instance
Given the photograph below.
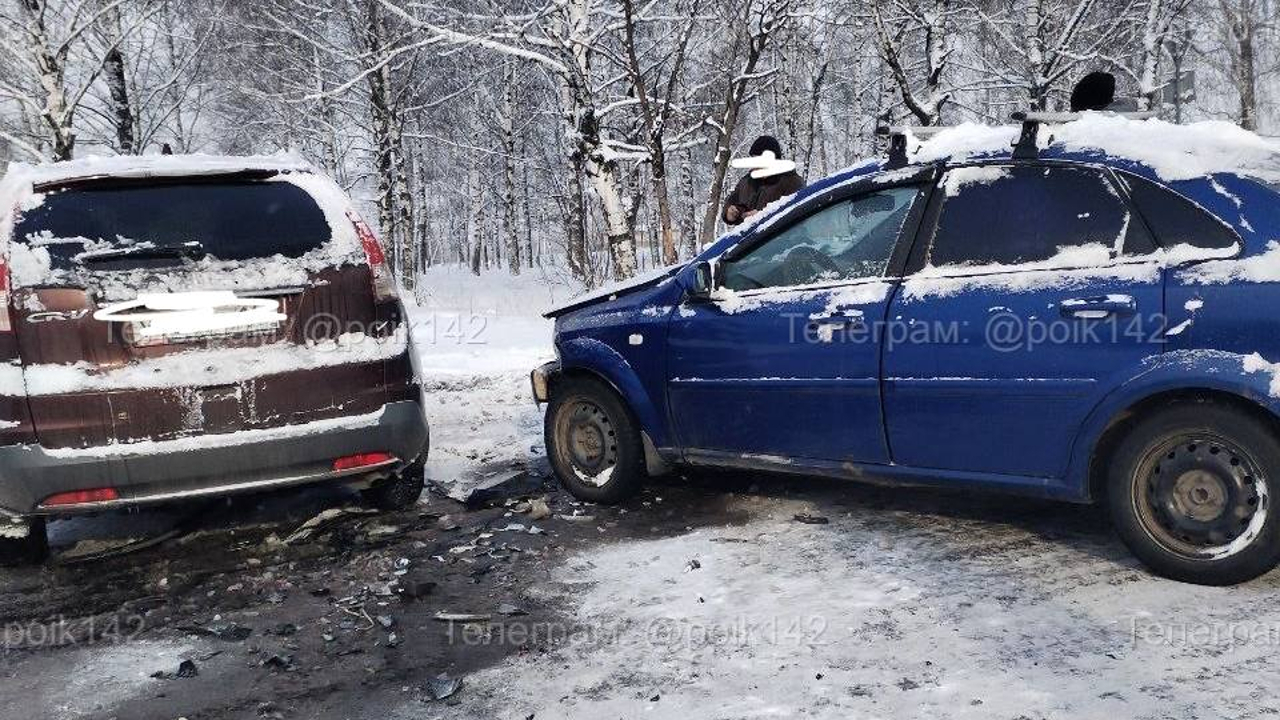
(918, 612)
(477, 339)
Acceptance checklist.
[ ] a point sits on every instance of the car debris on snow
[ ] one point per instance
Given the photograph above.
(488, 485)
(309, 528)
(186, 669)
(442, 686)
(808, 519)
(463, 617)
(228, 631)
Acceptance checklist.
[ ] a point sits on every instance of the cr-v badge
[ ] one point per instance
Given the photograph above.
(52, 316)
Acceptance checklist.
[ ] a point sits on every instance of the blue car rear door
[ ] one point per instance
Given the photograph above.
(1037, 290)
(784, 363)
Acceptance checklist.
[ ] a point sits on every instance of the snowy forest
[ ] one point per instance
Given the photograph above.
(589, 138)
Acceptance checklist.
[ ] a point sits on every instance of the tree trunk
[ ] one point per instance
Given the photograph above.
(1243, 26)
(121, 109)
(56, 114)
(475, 235)
(735, 94)
(509, 173)
(576, 217)
(653, 132)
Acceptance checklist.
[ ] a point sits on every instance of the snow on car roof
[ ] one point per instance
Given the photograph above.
(149, 166)
(1173, 152)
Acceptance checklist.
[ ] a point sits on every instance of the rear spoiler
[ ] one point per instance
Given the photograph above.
(124, 181)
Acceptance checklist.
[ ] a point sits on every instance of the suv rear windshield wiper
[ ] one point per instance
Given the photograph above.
(189, 250)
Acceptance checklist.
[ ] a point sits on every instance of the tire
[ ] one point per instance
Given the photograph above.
(30, 550)
(593, 442)
(1190, 489)
(400, 491)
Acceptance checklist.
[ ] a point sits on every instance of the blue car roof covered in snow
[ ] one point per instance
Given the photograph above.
(1216, 165)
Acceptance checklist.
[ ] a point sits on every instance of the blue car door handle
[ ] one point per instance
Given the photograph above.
(848, 318)
(1098, 307)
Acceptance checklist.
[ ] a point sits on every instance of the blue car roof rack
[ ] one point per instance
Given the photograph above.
(897, 135)
(1026, 147)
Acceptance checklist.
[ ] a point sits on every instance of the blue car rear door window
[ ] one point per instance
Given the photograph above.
(1034, 211)
(1174, 219)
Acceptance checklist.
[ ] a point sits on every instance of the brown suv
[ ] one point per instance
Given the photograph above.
(174, 327)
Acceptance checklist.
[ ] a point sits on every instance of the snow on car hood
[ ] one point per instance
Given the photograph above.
(612, 290)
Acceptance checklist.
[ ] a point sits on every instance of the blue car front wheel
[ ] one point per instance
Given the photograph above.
(593, 443)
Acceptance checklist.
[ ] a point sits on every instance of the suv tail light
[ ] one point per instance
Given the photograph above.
(351, 462)
(384, 285)
(81, 497)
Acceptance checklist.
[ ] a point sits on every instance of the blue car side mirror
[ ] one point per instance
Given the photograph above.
(703, 281)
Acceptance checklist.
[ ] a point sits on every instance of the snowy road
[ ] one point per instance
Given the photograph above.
(909, 604)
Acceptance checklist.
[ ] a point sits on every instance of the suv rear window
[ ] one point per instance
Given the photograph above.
(230, 220)
(1174, 219)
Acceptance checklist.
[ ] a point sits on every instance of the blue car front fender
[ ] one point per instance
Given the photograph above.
(584, 354)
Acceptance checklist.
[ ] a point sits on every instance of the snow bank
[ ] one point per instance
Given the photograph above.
(477, 338)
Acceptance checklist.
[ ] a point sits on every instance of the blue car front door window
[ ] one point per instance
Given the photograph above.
(849, 240)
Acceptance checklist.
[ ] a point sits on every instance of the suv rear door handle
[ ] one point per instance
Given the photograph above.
(1094, 308)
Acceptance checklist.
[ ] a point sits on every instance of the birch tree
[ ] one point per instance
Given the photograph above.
(915, 43)
(57, 66)
(752, 24)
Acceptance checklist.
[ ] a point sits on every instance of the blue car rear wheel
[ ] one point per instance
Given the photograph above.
(1190, 494)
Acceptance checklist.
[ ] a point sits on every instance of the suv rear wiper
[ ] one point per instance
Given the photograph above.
(192, 250)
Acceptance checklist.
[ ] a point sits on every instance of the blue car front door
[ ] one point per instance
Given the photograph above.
(784, 362)
(1040, 294)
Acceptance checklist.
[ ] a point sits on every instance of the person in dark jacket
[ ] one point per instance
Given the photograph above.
(771, 178)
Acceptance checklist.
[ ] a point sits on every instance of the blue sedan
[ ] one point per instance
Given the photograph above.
(1089, 315)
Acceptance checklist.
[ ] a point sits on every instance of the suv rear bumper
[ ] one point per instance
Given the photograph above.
(210, 465)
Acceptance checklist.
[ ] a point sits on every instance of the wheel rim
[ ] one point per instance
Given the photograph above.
(1200, 496)
(587, 442)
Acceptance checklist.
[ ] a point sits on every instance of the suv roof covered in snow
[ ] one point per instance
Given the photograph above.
(33, 175)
